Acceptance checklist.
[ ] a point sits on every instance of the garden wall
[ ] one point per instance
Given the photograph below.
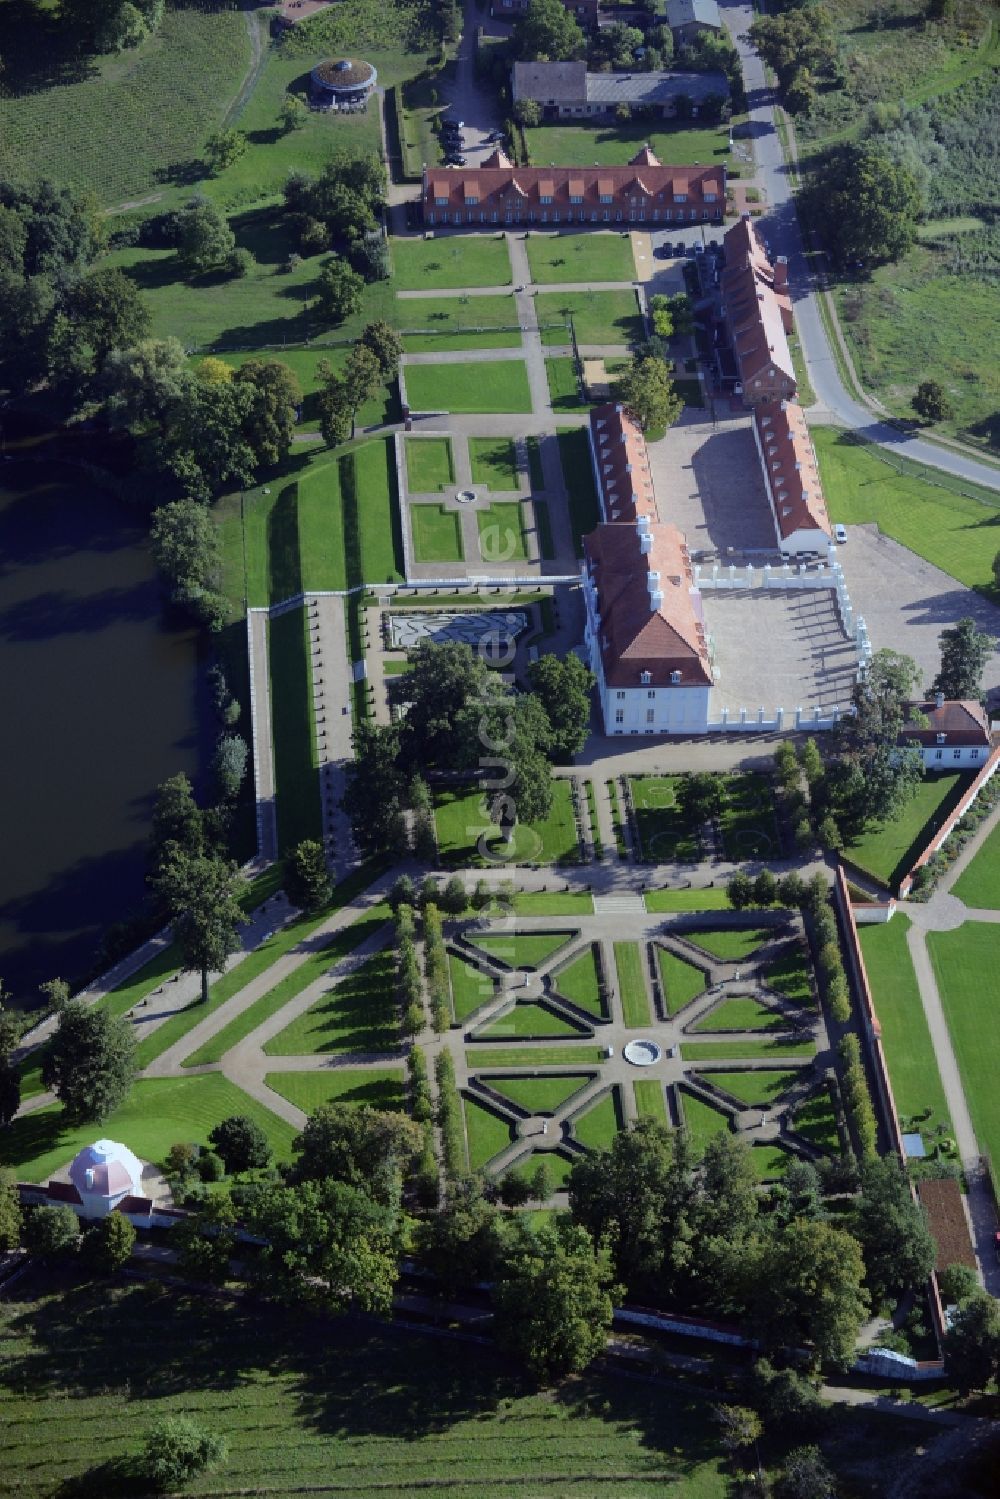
(948, 826)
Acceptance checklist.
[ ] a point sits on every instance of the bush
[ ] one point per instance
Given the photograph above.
(838, 997)
(176, 1450)
(107, 1245)
(241, 1143)
(210, 1166)
(51, 1233)
(857, 1099)
(450, 1116)
(420, 1092)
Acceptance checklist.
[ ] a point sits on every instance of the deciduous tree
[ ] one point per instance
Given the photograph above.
(241, 1143)
(865, 203)
(648, 393)
(339, 291)
(805, 1288)
(51, 1232)
(307, 879)
(203, 236)
(892, 1230)
(547, 32)
(365, 1147)
(375, 788)
(223, 149)
(269, 420)
(554, 1301)
(202, 894)
(965, 650)
(186, 548)
(972, 1345)
(89, 1062)
(931, 402)
(563, 686)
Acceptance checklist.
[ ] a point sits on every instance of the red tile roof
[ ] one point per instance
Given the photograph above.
(961, 722)
(622, 465)
(758, 317)
(791, 469)
(651, 618)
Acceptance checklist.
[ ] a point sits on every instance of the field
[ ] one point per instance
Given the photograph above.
(494, 462)
(979, 883)
(357, 1014)
(457, 260)
(742, 1013)
(584, 143)
(964, 962)
(790, 976)
(307, 1400)
(564, 385)
(631, 984)
(665, 834)
(502, 537)
(578, 475)
(462, 821)
(157, 1113)
(534, 1021)
(681, 981)
(650, 1102)
(817, 1121)
(437, 534)
(457, 323)
(906, 1039)
(532, 1056)
(430, 464)
(585, 256)
(701, 1121)
(296, 776)
(888, 852)
(948, 529)
(500, 386)
(747, 819)
(743, 1051)
(599, 317)
(378, 1087)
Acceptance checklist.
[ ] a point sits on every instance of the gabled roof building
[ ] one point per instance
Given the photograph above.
(757, 311)
(620, 461)
(567, 90)
(687, 19)
(791, 477)
(951, 735)
(644, 192)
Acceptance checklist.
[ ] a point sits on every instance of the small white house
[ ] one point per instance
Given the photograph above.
(951, 735)
(104, 1174)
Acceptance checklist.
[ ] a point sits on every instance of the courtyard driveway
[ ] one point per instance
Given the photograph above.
(707, 480)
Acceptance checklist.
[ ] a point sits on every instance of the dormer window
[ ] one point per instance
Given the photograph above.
(675, 678)
(940, 738)
(645, 677)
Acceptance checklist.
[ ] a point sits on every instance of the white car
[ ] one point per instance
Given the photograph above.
(840, 534)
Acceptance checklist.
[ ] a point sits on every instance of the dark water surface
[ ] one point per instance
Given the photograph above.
(98, 705)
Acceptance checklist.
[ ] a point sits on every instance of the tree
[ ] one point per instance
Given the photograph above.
(972, 1343)
(202, 894)
(385, 343)
(546, 32)
(187, 552)
(11, 1222)
(439, 683)
(241, 1143)
(965, 650)
(307, 880)
(362, 1146)
(866, 203)
(89, 1062)
(726, 1206)
(12, 1027)
(424, 833)
(701, 796)
(108, 1244)
(663, 323)
(104, 311)
(739, 1427)
(176, 1450)
(739, 890)
(209, 444)
(339, 291)
(177, 818)
(880, 776)
(805, 1288)
(648, 393)
(957, 1283)
(142, 384)
(794, 41)
(553, 1299)
(292, 114)
(336, 408)
(563, 686)
(789, 1402)
(269, 421)
(765, 889)
(461, 1243)
(806, 1476)
(51, 1233)
(327, 1244)
(203, 236)
(362, 377)
(229, 764)
(932, 403)
(375, 788)
(206, 1240)
(512, 755)
(892, 1230)
(223, 149)
(996, 570)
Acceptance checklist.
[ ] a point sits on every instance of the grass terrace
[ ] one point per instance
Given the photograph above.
(732, 944)
(747, 822)
(296, 773)
(494, 462)
(502, 537)
(578, 476)
(579, 982)
(437, 262)
(437, 534)
(665, 834)
(358, 1014)
(650, 1100)
(453, 324)
(553, 903)
(790, 976)
(559, 1167)
(979, 883)
(470, 987)
(701, 1121)
(461, 822)
(520, 949)
(681, 980)
(430, 464)
(755, 1089)
(378, 1087)
(888, 851)
(816, 1119)
(581, 256)
(500, 387)
(599, 317)
(713, 898)
(965, 961)
(596, 1128)
(629, 964)
(741, 1013)
(478, 1057)
(534, 1021)
(742, 1051)
(539, 1095)
(487, 1133)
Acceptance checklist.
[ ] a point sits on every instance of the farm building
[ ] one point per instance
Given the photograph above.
(566, 90)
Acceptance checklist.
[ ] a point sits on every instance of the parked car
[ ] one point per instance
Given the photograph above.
(663, 252)
(495, 135)
(455, 161)
(840, 534)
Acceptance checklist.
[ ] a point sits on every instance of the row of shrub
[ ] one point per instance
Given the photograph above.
(436, 970)
(425, 1176)
(857, 1099)
(409, 990)
(449, 1116)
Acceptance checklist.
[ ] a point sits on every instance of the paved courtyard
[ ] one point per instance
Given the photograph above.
(708, 482)
(778, 649)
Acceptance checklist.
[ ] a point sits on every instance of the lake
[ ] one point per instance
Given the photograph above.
(100, 704)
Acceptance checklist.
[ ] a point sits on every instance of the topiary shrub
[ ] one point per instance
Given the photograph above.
(176, 1450)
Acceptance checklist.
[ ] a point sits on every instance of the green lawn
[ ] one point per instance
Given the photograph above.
(450, 261)
(701, 1121)
(500, 386)
(319, 959)
(430, 464)
(296, 776)
(581, 256)
(539, 1095)
(769, 1161)
(457, 324)
(714, 898)
(502, 537)
(752, 1088)
(158, 1113)
(650, 1101)
(584, 142)
(553, 903)
(681, 980)
(888, 851)
(629, 962)
(579, 983)
(742, 1013)
(596, 1129)
(559, 1166)
(533, 1021)
(578, 476)
(791, 976)
(378, 1087)
(357, 1014)
(462, 821)
(477, 1057)
(437, 534)
(817, 1121)
(521, 949)
(950, 530)
(494, 462)
(665, 833)
(486, 1132)
(564, 384)
(470, 987)
(747, 822)
(599, 317)
(965, 962)
(731, 943)
(979, 883)
(307, 1400)
(906, 1039)
(372, 521)
(741, 1051)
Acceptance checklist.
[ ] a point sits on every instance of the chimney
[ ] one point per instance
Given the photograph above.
(939, 700)
(781, 273)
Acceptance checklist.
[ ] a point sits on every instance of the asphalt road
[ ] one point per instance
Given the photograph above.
(782, 233)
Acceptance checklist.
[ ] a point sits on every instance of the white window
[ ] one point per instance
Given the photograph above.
(939, 738)
(471, 199)
(650, 715)
(651, 692)
(680, 197)
(956, 754)
(575, 198)
(709, 197)
(546, 197)
(675, 677)
(645, 677)
(605, 197)
(619, 715)
(938, 754)
(620, 695)
(973, 754)
(440, 201)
